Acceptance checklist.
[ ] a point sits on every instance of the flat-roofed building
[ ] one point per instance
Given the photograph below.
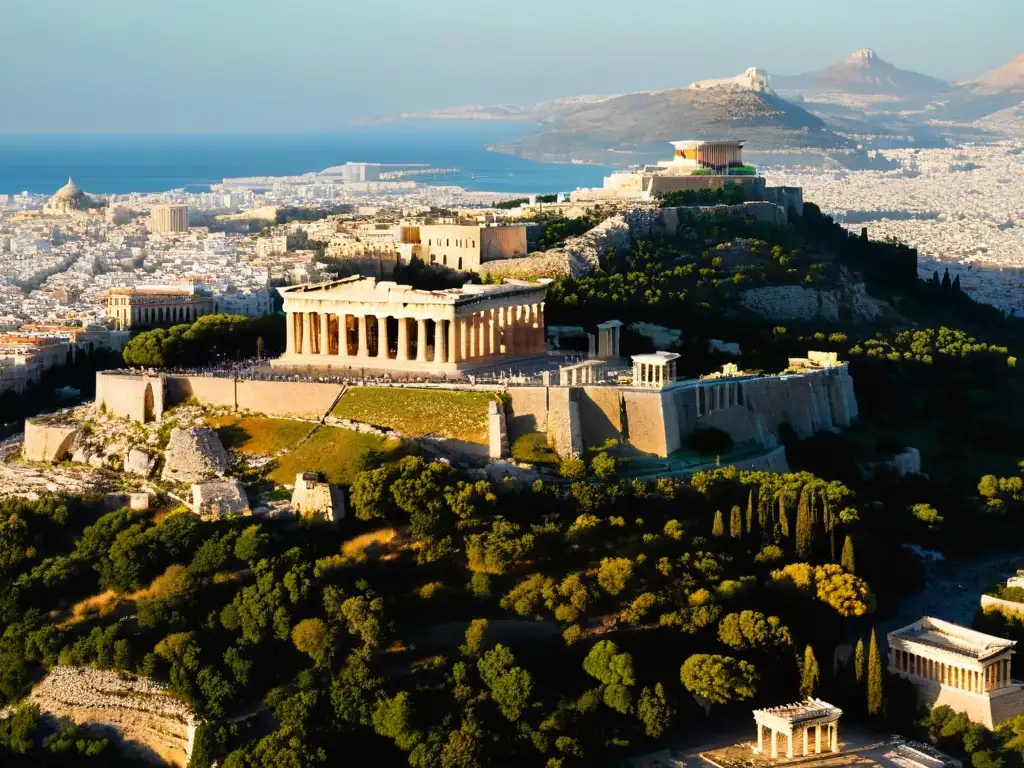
(385, 326)
(464, 247)
(168, 219)
(157, 305)
(961, 668)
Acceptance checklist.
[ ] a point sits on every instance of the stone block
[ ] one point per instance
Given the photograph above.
(312, 498)
(139, 463)
(45, 441)
(497, 431)
(220, 498)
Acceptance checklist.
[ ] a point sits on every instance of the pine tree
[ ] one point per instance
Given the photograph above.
(736, 523)
(804, 526)
(810, 677)
(858, 662)
(750, 513)
(848, 561)
(874, 677)
(718, 528)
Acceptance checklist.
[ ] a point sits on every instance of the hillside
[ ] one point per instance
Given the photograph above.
(985, 98)
(863, 80)
(636, 127)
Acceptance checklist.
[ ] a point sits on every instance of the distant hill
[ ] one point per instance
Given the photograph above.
(636, 127)
(985, 98)
(1007, 78)
(863, 80)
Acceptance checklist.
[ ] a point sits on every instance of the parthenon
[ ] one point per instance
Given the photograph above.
(359, 321)
(951, 665)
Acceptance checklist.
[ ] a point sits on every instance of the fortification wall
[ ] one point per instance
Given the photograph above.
(529, 411)
(773, 461)
(139, 713)
(600, 415)
(208, 390)
(564, 422)
(48, 442)
(648, 427)
(739, 422)
(139, 398)
(284, 398)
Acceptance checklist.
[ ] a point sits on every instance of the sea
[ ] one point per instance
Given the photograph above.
(119, 164)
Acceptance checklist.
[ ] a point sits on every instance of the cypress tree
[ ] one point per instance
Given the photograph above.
(804, 526)
(750, 513)
(783, 519)
(736, 523)
(810, 677)
(718, 528)
(858, 662)
(848, 561)
(956, 285)
(764, 517)
(874, 677)
(947, 283)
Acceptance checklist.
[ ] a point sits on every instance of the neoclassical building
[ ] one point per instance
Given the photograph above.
(155, 306)
(951, 665)
(358, 321)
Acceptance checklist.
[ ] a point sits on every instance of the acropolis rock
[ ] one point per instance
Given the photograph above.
(139, 713)
(193, 455)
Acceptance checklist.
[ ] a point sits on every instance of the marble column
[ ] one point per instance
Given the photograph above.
(309, 335)
(492, 332)
(481, 319)
(760, 738)
(325, 338)
(463, 333)
(290, 334)
(805, 741)
(835, 736)
(403, 339)
(421, 340)
(453, 340)
(439, 337)
(364, 350)
(474, 335)
(382, 337)
(817, 739)
(789, 747)
(775, 745)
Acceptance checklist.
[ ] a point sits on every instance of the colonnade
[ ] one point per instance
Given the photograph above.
(715, 397)
(830, 731)
(512, 330)
(991, 676)
(130, 315)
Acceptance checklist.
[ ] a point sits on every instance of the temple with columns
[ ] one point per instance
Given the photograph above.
(358, 321)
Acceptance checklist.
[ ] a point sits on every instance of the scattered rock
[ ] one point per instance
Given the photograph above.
(221, 498)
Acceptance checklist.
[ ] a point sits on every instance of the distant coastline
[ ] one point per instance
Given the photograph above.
(123, 164)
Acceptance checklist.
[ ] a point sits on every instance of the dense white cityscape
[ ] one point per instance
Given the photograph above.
(957, 206)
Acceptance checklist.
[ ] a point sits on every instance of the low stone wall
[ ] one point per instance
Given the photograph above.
(139, 713)
(48, 442)
(1006, 607)
(143, 398)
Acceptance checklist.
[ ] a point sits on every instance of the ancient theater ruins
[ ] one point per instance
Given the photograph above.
(358, 321)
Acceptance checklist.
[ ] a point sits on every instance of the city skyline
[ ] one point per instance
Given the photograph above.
(114, 66)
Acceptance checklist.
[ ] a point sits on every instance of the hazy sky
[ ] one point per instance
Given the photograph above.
(313, 65)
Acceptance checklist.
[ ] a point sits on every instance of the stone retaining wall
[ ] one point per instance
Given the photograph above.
(1007, 607)
(48, 442)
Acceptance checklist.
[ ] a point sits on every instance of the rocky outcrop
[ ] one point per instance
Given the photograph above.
(31, 482)
(221, 498)
(138, 712)
(47, 440)
(780, 303)
(194, 454)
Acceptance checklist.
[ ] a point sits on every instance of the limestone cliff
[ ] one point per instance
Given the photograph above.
(136, 711)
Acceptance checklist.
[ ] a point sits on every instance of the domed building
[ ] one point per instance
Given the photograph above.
(68, 199)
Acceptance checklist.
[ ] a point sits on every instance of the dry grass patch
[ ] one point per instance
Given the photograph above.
(334, 452)
(384, 544)
(260, 437)
(448, 413)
